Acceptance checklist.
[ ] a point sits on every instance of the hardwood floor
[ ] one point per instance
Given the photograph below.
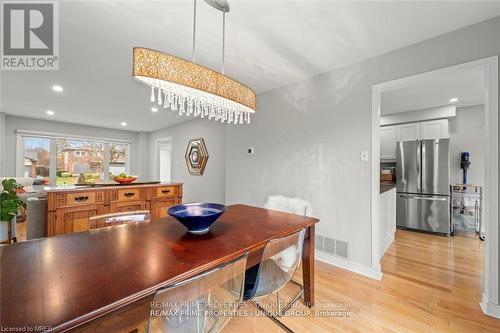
(430, 284)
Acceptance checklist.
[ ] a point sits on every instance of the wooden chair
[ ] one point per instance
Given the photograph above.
(107, 220)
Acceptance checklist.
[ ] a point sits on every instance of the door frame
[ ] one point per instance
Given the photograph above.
(156, 161)
(489, 65)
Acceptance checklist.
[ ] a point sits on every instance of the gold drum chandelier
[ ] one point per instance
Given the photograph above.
(192, 89)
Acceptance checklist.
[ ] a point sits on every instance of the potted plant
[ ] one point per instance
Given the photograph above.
(9, 204)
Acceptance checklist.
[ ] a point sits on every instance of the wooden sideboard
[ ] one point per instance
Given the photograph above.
(68, 210)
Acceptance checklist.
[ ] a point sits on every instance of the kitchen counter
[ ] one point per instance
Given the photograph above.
(105, 185)
(384, 187)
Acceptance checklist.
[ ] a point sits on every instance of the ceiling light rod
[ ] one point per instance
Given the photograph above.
(194, 33)
(223, 39)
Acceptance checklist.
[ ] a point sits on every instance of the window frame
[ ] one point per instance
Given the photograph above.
(53, 137)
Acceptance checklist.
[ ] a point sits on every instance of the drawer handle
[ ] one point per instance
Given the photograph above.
(129, 194)
(82, 198)
(165, 191)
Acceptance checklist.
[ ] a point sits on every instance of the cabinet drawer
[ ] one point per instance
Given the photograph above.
(159, 208)
(129, 194)
(166, 191)
(80, 198)
(129, 206)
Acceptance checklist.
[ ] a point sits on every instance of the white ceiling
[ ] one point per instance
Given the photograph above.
(467, 85)
(269, 44)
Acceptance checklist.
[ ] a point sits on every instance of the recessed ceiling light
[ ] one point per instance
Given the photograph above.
(124, 123)
(453, 100)
(57, 88)
(49, 112)
(154, 109)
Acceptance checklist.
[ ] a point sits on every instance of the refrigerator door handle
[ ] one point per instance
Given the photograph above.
(432, 198)
(416, 197)
(419, 166)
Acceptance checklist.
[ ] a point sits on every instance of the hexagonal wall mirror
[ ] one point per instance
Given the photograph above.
(196, 156)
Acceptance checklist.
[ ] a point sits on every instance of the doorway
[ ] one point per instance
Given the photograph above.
(489, 67)
(163, 160)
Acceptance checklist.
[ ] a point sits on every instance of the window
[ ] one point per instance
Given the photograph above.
(36, 158)
(79, 153)
(79, 161)
(58, 160)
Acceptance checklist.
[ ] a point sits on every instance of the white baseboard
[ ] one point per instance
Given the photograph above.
(386, 243)
(490, 309)
(348, 265)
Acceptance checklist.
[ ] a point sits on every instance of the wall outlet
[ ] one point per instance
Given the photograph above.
(364, 156)
(251, 150)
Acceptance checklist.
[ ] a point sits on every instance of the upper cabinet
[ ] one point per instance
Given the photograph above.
(408, 132)
(389, 135)
(434, 129)
(388, 143)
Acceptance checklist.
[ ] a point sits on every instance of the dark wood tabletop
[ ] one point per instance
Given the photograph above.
(70, 280)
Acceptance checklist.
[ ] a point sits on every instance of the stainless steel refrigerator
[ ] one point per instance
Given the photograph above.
(423, 185)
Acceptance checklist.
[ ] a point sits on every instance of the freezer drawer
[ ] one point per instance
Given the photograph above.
(425, 213)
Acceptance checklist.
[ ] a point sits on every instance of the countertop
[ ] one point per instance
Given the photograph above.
(384, 187)
(105, 185)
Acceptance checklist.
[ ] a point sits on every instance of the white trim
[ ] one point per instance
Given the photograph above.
(51, 135)
(19, 156)
(490, 67)
(157, 142)
(490, 309)
(348, 265)
(386, 243)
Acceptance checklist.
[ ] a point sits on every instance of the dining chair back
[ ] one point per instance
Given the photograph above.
(279, 262)
(107, 220)
(203, 303)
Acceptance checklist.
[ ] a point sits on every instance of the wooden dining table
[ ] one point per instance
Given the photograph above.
(103, 280)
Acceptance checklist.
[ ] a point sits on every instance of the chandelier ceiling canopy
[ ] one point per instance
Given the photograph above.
(192, 89)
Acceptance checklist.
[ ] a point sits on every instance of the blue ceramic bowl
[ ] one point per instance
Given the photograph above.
(197, 217)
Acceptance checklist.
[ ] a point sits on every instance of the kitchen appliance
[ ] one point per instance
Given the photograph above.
(423, 185)
(465, 164)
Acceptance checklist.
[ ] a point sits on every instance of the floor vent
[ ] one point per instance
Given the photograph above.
(333, 246)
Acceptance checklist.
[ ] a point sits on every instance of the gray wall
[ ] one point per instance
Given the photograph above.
(467, 133)
(12, 123)
(211, 185)
(2, 143)
(308, 136)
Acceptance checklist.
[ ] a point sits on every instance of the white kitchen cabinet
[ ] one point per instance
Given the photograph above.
(388, 143)
(408, 132)
(434, 129)
(387, 219)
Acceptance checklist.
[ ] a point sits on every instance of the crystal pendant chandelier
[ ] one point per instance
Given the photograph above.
(192, 89)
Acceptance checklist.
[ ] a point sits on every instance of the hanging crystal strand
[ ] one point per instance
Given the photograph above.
(203, 111)
(181, 105)
(248, 118)
(241, 118)
(159, 97)
(165, 98)
(189, 106)
(173, 106)
(152, 94)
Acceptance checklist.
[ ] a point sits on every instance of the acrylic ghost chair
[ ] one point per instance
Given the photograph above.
(280, 260)
(107, 220)
(203, 303)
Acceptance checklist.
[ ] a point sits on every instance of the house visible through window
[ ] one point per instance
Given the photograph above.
(36, 158)
(64, 161)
